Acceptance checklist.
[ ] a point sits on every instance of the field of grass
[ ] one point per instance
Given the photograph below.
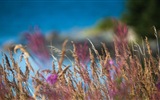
(133, 73)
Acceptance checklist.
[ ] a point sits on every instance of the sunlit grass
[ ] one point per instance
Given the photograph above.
(132, 73)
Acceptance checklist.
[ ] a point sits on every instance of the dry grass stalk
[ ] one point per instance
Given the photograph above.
(128, 78)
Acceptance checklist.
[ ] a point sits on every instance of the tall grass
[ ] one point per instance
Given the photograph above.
(129, 75)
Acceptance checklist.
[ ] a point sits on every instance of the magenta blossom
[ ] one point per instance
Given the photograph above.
(121, 30)
(52, 79)
(82, 53)
(36, 43)
(111, 62)
(158, 86)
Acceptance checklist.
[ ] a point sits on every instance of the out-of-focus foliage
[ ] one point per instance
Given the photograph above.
(142, 15)
(105, 24)
(131, 74)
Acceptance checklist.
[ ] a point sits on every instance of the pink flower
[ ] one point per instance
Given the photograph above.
(121, 40)
(111, 62)
(52, 79)
(158, 86)
(36, 43)
(83, 52)
(121, 30)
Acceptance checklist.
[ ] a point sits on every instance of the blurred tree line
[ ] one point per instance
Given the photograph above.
(142, 15)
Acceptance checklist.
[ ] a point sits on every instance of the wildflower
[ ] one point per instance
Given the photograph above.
(52, 79)
(3, 89)
(36, 43)
(111, 62)
(158, 86)
(82, 53)
(121, 30)
(121, 36)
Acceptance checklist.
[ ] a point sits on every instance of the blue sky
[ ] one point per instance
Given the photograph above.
(18, 16)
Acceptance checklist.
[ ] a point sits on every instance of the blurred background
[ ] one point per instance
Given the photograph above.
(57, 20)
(77, 20)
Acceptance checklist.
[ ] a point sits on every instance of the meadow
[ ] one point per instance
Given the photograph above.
(132, 73)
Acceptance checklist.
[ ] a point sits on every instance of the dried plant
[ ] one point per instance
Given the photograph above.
(129, 75)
